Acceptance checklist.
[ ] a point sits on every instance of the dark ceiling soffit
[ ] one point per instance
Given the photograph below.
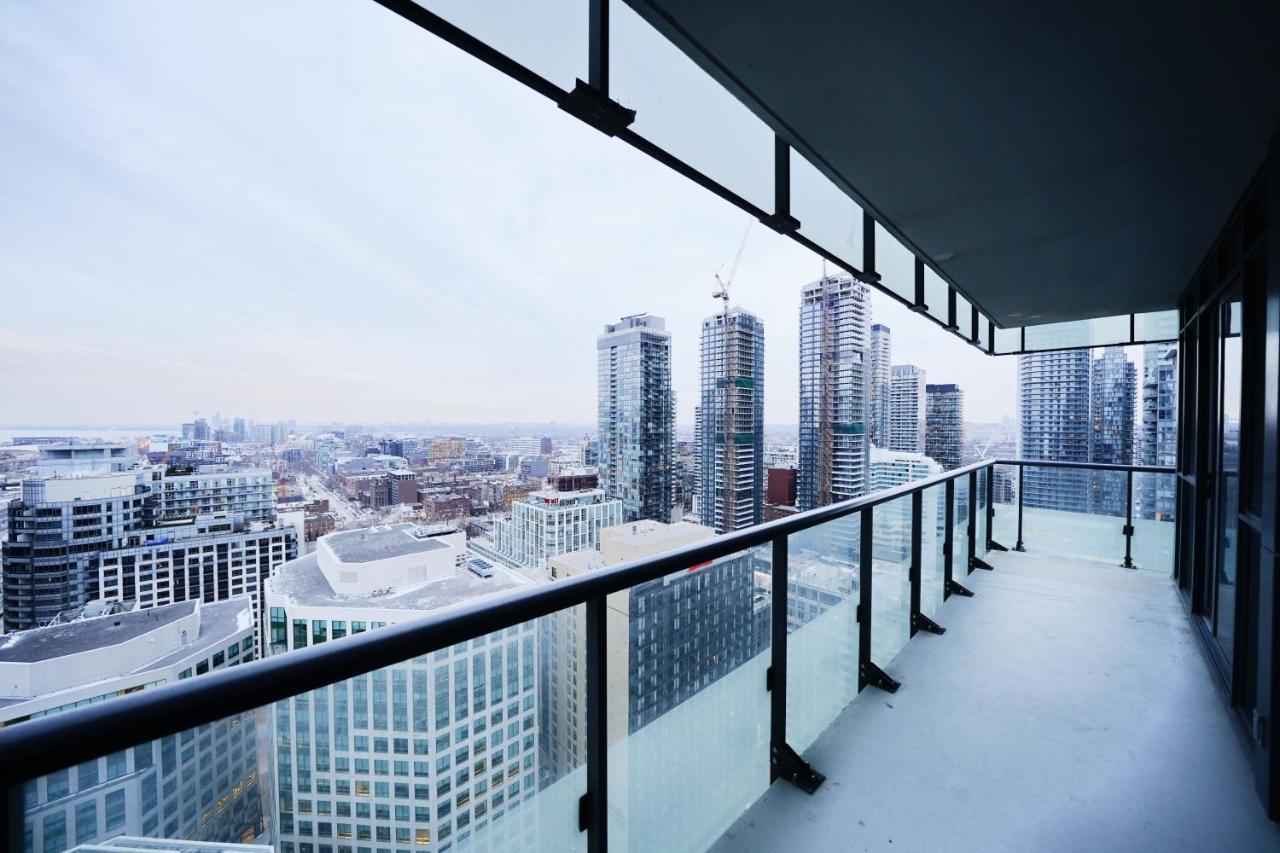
(670, 28)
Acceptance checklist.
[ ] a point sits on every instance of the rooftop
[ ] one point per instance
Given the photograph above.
(302, 582)
(378, 543)
(81, 635)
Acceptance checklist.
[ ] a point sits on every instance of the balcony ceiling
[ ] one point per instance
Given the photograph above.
(1054, 164)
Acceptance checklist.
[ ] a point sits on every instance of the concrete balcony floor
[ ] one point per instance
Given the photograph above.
(1068, 707)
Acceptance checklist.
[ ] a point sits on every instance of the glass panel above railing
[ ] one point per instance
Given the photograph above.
(680, 108)
(549, 38)
(935, 295)
(896, 265)
(827, 216)
(1154, 521)
(1077, 513)
(960, 529)
(1078, 333)
(1008, 340)
(933, 540)
(1155, 326)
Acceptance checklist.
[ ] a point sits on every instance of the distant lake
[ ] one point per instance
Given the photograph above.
(106, 433)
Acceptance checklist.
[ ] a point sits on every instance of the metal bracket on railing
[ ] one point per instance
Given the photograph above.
(794, 769)
(955, 588)
(979, 563)
(587, 103)
(920, 622)
(877, 677)
(993, 545)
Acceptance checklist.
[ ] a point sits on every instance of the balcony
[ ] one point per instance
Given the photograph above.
(1041, 699)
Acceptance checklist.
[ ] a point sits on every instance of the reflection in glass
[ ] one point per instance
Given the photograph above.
(1228, 497)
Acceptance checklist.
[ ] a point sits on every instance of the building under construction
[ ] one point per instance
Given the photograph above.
(835, 314)
(730, 421)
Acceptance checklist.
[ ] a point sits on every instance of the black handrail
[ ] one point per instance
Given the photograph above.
(36, 747)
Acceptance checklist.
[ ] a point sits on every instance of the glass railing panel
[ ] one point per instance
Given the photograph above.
(480, 745)
(1154, 521)
(548, 38)
(1079, 333)
(1008, 340)
(681, 109)
(827, 216)
(822, 624)
(890, 579)
(960, 529)
(1004, 502)
(688, 705)
(984, 333)
(935, 295)
(933, 540)
(896, 265)
(1156, 326)
(1077, 513)
(980, 516)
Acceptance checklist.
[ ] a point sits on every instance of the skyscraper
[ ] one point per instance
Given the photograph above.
(881, 357)
(944, 424)
(1053, 412)
(1157, 493)
(1112, 402)
(906, 409)
(730, 421)
(636, 416)
(834, 446)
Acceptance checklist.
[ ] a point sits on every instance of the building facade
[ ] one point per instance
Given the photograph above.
(195, 785)
(906, 409)
(1158, 444)
(421, 754)
(730, 421)
(879, 378)
(1113, 388)
(636, 416)
(944, 425)
(1053, 415)
(834, 446)
(553, 521)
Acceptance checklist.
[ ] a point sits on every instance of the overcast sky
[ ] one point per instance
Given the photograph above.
(242, 208)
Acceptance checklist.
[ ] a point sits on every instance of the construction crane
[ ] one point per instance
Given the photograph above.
(730, 365)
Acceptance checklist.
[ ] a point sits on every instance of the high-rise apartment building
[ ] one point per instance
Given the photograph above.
(730, 421)
(906, 409)
(555, 520)
(418, 754)
(944, 424)
(1157, 493)
(834, 446)
(93, 524)
(1053, 414)
(878, 394)
(636, 416)
(1112, 405)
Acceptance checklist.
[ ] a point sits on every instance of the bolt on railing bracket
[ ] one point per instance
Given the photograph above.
(877, 677)
(790, 766)
(923, 623)
(587, 103)
(956, 588)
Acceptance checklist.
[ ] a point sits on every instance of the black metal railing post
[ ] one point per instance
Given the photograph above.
(917, 513)
(11, 814)
(1128, 520)
(991, 507)
(1018, 545)
(598, 45)
(972, 550)
(594, 805)
(784, 763)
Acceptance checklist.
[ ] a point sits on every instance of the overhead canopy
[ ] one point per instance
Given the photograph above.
(1055, 164)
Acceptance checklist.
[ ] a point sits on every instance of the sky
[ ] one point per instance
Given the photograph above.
(315, 210)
